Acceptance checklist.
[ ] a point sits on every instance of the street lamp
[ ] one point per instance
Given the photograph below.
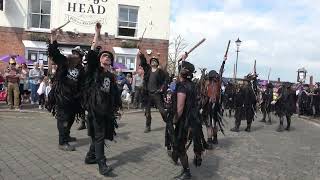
(238, 43)
(302, 75)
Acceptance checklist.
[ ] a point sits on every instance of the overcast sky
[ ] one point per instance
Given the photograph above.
(281, 34)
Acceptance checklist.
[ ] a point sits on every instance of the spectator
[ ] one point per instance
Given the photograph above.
(173, 84)
(137, 88)
(12, 76)
(121, 80)
(24, 83)
(1, 82)
(48, 89)
(34, 76)
(42, 92)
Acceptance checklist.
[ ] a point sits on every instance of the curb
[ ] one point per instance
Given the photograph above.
(308, 118)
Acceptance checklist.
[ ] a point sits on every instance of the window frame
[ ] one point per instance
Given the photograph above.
(30, 13)
(128, 27)
(127, 55)
(38, 50)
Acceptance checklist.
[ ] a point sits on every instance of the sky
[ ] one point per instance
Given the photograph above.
(283, 35)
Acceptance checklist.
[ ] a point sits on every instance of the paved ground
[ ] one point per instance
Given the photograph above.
(28, 150)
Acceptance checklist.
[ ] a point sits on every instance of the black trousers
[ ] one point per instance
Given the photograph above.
(155, 98)
(65, 120)
(97, 127)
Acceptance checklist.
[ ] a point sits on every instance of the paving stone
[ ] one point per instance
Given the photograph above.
(32, 153)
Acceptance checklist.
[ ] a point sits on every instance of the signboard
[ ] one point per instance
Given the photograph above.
(86, 12)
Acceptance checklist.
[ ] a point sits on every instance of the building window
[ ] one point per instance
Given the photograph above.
(128, 60)
(39, 56)
(39, 14)
(1, 5)
(128, 18)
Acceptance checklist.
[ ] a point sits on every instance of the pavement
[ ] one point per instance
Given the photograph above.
(29, 150)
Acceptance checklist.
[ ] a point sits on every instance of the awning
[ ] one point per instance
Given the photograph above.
(126, 51)
(34, 44)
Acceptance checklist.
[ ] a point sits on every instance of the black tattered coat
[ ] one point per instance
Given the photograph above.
(100, 95)
(65, 93)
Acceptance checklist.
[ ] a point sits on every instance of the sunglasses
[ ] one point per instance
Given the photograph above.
(13, 64)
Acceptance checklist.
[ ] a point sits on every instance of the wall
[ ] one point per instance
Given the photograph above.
(156, 12)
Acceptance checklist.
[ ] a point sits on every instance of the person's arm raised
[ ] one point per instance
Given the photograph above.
(96, 36)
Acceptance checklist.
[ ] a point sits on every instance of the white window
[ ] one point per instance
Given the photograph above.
(127, 60)
(128, 20)
(39, 14)
(39, 56)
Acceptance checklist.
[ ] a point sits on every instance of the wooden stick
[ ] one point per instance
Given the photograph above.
(193, 48)
(145, 29)
(269, 75)
(197, 45)
(63, 25)
(226, 54)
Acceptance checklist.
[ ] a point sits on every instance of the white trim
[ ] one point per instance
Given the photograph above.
(34, 45)
(127, 37)
(126, 51)
(38, 30)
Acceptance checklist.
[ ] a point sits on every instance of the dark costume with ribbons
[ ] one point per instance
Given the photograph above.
(245, 101)
(229, 96)
(65, 95)
(267, 97)
(188, 127)
(101, 98)
(285, 105)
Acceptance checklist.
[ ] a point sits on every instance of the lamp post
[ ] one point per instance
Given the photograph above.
(238, 43)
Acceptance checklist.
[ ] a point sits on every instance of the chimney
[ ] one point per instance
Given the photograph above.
(311, 80)
(278, 79)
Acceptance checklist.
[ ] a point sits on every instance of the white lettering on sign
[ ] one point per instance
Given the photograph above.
(86, 12)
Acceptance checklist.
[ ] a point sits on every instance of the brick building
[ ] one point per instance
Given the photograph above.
(25, 27)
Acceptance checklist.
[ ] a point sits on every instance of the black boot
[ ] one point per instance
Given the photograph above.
(237, 124)
(263, 120)
(104, 169)
(209, 144)
(248, 129)
(280, 128)
(67, 147)
(147, 130)
(269, 122)
(71, 139)
(185, 174)
(288, 123)
(235, 129)
(215, 139)
(91, 156)
(169, 151)
(82, 125)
